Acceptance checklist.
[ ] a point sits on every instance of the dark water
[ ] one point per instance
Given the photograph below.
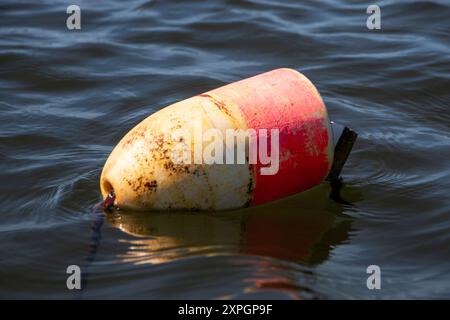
(67, 97)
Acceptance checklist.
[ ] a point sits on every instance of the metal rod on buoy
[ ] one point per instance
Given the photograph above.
(343, 146)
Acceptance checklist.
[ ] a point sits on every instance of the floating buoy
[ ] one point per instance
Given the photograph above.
(246, 143)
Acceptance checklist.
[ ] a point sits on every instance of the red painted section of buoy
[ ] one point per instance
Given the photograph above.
(284, 99)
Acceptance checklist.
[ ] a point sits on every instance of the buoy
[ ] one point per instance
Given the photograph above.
(246, 143)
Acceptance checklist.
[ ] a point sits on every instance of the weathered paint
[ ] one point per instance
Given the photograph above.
(287, 100)
(143, 177)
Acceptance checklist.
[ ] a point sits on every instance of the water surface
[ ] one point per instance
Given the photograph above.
(67, 97)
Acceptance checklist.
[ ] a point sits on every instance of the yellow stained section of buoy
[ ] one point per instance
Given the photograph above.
(143, 176)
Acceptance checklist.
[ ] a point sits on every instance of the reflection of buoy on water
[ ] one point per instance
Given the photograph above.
(299, 228)
(246, 143)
